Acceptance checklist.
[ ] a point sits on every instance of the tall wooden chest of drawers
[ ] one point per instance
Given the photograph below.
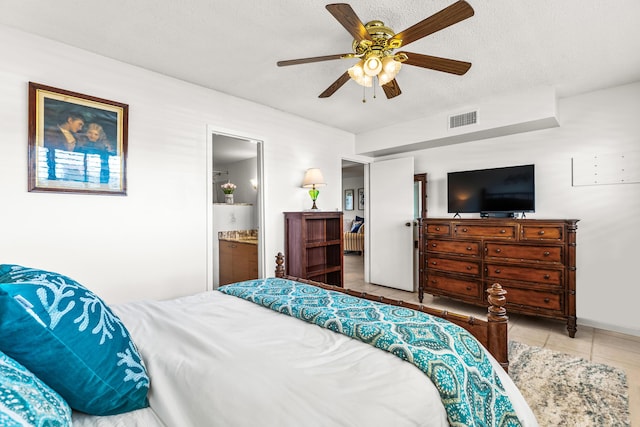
(534, 260)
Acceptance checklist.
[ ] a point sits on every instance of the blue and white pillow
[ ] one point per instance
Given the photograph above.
(68, 337)
(27, 401)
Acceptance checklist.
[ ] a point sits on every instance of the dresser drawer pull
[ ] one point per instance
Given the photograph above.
(498, 250)
(546, 253)
(468, 288)
(433, 245)
(541, 232)
(437, 228)
(469, 267)
(434, 262)
(503, 231)
(547, 300)
(469, 248)
(464, 230)
(498, 271)
(546, 276)
(434, 281)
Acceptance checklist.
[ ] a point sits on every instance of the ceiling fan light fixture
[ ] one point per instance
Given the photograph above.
(372, 66)
(390, 69)
(391, 66)
(357, 73)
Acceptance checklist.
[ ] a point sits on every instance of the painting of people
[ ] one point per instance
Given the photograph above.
(77, 143)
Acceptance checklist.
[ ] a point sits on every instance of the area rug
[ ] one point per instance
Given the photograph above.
(565, 390)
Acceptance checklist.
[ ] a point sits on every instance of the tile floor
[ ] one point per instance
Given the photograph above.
(597, 345)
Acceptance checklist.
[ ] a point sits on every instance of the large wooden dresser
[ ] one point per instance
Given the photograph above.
(534, 260)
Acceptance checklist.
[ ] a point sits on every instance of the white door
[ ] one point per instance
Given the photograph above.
(390, 223)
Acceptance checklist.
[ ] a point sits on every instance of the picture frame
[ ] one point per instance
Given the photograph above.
(77, 143)
(348, 200)
(361, 199)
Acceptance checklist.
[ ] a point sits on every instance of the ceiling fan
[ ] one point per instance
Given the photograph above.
(374, 45)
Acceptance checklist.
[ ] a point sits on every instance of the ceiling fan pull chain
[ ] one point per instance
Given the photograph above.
(364, 94)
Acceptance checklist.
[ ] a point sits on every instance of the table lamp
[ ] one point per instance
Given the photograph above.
(313, 178)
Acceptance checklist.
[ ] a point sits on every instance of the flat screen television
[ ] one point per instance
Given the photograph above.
(499, 191)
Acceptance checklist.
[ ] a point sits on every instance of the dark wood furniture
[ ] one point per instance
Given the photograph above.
(491, 333)
(313, 246)
(533, 260)
(238, 261)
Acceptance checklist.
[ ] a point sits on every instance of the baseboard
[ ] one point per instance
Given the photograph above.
(609, 327)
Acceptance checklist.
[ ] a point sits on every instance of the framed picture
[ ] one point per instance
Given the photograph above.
(348, 200)
(77, 143)
(361, 199)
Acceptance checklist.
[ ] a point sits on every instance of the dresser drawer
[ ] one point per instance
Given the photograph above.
(534, 300)
(453, 247)
(454, 287)
(539, 275)
(530, 232)
(488, 231)
(553, 254)
(454, 266)
(439, 229)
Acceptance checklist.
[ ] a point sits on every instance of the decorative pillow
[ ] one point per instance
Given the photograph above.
(359, 219)
(355, 227)
(71, 340)
(27, 401)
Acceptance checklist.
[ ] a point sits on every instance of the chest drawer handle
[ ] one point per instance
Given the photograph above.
(498, 271)
(434, 281)
(464, 230)
(498, 250)
(468, 267)
(433, 245)
(434, 262)
(541, 232)
(468, 288)
(469, 248)
(546, 253)
(546, 276)
(503, 231)
(437, 228)
(547, 300)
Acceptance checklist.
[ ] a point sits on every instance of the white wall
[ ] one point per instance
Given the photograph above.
(153, 242)
(608, 237)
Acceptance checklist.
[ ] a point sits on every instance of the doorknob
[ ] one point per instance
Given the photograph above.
(407, 224)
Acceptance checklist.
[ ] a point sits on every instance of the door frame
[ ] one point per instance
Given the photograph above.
(220, 130)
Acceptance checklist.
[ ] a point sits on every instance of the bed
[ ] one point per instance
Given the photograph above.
(222, 359)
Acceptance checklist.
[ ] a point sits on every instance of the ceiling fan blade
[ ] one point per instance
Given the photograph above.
(391, 89)
(436, 63)
(459, 11)
(335, 85)
(349, 20)
(313, 59)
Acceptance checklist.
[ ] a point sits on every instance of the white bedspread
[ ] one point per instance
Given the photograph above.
(217, 360)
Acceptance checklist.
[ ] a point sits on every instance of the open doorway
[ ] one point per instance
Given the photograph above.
(235, 209)
(353, 208)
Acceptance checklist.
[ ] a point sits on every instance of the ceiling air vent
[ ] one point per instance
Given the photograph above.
(464, 119)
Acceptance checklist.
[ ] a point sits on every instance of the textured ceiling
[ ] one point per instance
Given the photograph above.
(574, 46)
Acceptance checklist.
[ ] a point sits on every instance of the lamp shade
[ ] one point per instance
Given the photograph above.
(313, 177)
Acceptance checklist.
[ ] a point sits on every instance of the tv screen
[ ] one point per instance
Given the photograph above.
(509, 189)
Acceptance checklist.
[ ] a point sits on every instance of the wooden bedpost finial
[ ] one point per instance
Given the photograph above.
(497, 300)
(497, 328)
(280, 265)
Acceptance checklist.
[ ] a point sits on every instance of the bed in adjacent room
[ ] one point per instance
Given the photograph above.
(242, 356)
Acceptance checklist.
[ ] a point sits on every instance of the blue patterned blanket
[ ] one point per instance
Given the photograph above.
(451, 357)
